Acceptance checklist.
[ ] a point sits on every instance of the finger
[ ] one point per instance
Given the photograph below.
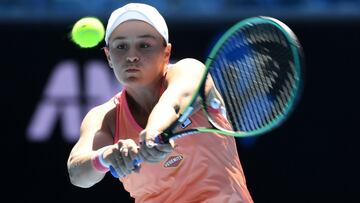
(112, 167)
(172, 143)
(147, 137)
(124, 150)
(128, 163)
(133, 149)
(113, 162)
(151, 154)
(118, 170)
(136, 161)
(135, 155)
(167, 148)
(121, 164)
(146, 156)
(126, 167)
(155, 152)
(127, 157)
(133, 159)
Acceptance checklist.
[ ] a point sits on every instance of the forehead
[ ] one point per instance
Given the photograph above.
(134, 28)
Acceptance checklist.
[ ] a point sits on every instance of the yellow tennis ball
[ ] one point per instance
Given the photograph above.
(88, 32)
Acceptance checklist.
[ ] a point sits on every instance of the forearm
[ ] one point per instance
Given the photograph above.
(183, 80)
(162, 116)
(81, 171)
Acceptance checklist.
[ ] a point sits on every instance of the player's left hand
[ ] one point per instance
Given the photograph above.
(150, 150)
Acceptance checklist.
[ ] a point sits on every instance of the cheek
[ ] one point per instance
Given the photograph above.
(116, 70)
(117, 74)
(155, 58)
(116, 59)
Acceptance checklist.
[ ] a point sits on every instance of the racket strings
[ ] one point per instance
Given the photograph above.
(229, 93)
(252, 112)
(233, 76)
(256, 93)
(255, 75)
(229, 81)
(238, 90)
(255, 85)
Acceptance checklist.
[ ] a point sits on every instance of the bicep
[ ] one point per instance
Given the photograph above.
(94, 133)
(183, 79)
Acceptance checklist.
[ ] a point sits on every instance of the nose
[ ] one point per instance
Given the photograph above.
(132, 59)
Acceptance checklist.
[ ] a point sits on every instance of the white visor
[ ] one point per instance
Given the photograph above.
(137, 11)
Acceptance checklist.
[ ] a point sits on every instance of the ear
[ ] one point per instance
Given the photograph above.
(168, 52)
(107, 54)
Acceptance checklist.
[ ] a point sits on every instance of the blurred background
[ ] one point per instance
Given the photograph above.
(50, 83)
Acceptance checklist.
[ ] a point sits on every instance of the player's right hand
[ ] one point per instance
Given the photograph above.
(121, 157)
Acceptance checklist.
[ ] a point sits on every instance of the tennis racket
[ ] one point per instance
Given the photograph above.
(257, 67)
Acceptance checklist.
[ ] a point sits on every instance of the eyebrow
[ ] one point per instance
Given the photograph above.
(140, 36)
(147, 36)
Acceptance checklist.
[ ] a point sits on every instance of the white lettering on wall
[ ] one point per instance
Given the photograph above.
(65, 100)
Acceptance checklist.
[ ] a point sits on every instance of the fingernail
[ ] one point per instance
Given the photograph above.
(150, 144)
(137, 168)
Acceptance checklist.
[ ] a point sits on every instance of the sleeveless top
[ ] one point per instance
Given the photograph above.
(201, 168)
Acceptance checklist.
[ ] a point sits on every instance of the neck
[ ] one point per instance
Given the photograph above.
(141, 100)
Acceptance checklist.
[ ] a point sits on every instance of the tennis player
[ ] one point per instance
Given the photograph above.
(199, 168)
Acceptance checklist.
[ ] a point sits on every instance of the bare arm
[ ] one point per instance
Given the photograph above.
(183, 79)
(93, 136)
(96, 140)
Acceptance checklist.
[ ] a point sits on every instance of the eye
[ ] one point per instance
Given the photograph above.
(144, 45)
(121, 46)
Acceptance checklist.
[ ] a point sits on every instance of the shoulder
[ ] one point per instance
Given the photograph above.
(100, 115)
(103, 108)
(185, 68)
(187, 63)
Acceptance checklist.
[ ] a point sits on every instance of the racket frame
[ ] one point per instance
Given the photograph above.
(296, 50)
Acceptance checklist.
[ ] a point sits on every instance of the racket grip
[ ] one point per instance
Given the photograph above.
(113, 172)
(136, 163)
(161, 139)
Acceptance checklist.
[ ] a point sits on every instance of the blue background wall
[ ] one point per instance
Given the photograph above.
(311, 158)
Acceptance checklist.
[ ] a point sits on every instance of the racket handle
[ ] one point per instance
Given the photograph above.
(136, 163)
(161, 139)
(113, 172)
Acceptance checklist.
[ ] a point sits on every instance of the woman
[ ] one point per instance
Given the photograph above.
(201, 168)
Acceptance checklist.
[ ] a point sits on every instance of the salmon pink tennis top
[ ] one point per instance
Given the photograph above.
(202, 167)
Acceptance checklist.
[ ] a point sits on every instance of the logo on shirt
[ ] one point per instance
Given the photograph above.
(186, 123)
(173, 161)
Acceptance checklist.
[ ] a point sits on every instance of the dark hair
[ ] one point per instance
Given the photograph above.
(164, 42)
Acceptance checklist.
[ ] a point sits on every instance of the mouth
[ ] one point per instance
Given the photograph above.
(131, 70)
